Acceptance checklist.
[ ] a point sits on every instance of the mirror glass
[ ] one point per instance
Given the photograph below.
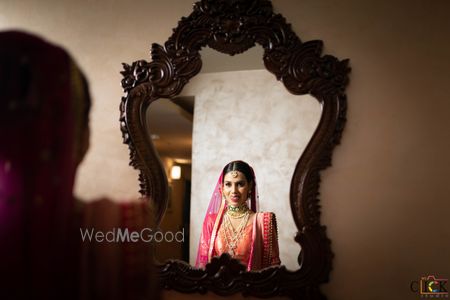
(233, 110)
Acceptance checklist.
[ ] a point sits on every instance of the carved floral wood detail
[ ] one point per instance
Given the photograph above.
(232, 27)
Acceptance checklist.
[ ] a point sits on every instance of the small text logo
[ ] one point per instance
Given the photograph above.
(122, 235)
(430, 287)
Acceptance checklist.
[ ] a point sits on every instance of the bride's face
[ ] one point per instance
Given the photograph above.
(235, 188)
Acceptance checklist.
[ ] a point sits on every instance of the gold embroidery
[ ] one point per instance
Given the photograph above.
(270, 240)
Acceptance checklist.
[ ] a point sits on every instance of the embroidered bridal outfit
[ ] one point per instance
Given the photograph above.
(253, 240)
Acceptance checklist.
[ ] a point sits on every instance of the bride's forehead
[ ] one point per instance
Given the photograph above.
(234, 176)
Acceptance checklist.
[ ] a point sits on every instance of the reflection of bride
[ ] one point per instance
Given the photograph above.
(230, 226)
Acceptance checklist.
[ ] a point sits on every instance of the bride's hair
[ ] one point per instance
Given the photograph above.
(241, 166)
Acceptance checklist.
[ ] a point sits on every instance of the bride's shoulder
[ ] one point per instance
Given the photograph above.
(211, 217)
(267, 215)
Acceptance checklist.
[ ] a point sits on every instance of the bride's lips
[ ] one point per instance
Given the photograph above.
(234, 198)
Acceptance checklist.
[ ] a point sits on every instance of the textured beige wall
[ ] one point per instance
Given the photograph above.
(248, 115)
(385, 201)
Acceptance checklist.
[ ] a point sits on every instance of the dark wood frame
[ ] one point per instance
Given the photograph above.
(232, 27)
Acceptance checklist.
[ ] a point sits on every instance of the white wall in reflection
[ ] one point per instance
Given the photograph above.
(248, 115)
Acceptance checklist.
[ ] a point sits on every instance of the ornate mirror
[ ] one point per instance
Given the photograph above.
(233, 27)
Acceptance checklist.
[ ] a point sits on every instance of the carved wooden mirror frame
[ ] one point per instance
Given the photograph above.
(232, 27)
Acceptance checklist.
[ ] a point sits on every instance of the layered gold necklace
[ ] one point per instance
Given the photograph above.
(237, 212)
(234, 235)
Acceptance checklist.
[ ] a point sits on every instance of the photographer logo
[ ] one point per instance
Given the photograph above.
(430, 287)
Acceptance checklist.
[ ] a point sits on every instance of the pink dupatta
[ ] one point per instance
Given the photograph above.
(213, 219)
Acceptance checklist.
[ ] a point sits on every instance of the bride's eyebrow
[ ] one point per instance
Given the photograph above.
(237, 182)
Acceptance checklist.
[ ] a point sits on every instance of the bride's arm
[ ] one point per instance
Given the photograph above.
(203, 246)
(274, 252)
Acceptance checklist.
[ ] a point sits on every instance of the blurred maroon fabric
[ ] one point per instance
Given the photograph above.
(44, 101)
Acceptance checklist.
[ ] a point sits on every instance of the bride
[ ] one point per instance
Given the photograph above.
(233, 224)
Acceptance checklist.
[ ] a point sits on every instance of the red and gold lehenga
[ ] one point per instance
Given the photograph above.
(258, 246)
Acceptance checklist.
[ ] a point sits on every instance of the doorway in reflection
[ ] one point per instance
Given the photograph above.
(170, 127)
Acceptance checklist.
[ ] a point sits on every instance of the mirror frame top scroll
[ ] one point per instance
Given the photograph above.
(232, 27)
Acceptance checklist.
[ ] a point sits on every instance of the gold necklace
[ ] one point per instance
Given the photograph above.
(237, 212)
(232, 235)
